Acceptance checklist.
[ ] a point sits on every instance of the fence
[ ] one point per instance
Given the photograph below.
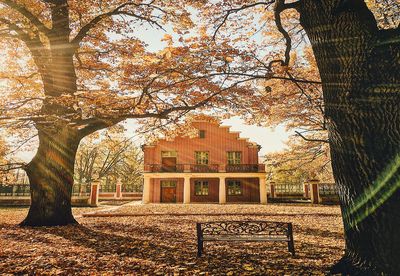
(328, 189)
(312, 190)
(15, 190)
(19, 194)
(289, 190)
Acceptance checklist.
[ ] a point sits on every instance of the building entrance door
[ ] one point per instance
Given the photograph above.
(168, 191)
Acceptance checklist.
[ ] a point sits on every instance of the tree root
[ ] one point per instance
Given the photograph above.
(35, 222)
(346, 266)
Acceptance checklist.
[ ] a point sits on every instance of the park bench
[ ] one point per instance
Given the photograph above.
(257, 231)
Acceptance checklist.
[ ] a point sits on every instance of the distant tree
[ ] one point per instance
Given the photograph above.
(112, 158)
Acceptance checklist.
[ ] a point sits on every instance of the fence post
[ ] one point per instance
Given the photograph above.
(272, 186)
(314, 191)
(118, 192)
(94, 193)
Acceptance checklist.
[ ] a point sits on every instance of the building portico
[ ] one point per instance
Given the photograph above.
(217, 190)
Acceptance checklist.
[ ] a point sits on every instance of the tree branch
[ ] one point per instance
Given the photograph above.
(235, 10)
(117, 11)
(12, 166)
(32, 18)
(280, 6)
(311, 140)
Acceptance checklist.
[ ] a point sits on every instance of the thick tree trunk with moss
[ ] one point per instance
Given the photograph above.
(51, 178)
(360, 71)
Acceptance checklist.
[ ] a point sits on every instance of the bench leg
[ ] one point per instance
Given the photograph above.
(290, 236)
(291, 247)
(199, 248)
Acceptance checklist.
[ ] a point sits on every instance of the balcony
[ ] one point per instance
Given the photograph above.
(212, 168)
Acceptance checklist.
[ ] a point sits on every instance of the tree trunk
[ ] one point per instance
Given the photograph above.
(360, 70)
(51, 178)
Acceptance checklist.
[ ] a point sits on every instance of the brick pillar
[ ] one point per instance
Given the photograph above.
(306, 190)
(146, 190)
(314, 191)
(118, 192)
(273, 192)
(222, 190)
(186, 190)
(263, 190)
(94, 193)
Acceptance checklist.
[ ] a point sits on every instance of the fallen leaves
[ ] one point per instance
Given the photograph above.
(160, 243)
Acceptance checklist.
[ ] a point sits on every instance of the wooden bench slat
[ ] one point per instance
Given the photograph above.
(243, 238)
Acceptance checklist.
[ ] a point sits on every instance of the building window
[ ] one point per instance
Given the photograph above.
(169, 154)
(201, 157)
(234, 157)
(202, 134)
(168, 183)
(234, 187)
(201, 188)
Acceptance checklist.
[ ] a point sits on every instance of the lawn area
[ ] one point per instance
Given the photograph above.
(160, 239)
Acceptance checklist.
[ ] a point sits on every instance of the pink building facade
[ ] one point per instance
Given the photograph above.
(217, 166)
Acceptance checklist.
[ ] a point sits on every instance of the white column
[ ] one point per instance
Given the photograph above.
(186, 190)
(222, 190)
(146, 190)
(263, 190)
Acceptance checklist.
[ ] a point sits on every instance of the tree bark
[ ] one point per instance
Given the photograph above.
(360, 70)
(51, 178)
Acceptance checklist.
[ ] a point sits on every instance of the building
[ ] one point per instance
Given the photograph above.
(216, 166)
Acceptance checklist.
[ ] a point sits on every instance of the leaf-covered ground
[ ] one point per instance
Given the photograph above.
(160, 239)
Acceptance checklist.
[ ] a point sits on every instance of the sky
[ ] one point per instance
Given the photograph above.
(270, 139)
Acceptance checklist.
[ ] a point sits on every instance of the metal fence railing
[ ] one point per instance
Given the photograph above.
(14, 190)
(328, 189)
(81, 190)
(77, 189)
(288, 188)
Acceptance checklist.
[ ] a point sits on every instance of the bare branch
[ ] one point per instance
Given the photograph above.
(311, 140)
(280, 6)
(235, 10)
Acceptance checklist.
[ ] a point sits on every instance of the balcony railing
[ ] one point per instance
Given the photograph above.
(163, 168)
(212, 168)
(242, 168)
(204, 168)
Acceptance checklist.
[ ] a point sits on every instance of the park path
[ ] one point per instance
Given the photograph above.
(108, 209)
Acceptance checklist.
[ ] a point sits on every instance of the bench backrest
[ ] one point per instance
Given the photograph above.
(269, 228)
